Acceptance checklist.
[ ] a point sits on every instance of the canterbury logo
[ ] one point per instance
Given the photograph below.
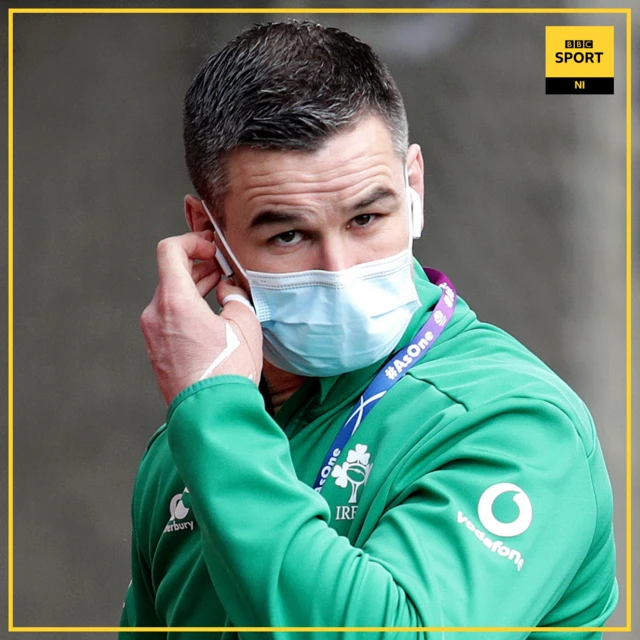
(179, 511)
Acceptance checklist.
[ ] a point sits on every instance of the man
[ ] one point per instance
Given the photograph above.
(346, 445)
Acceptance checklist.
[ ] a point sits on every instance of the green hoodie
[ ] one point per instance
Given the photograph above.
(474, 494)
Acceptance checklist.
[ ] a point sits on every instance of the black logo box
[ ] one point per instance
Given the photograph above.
(587, 86)
(578, 44)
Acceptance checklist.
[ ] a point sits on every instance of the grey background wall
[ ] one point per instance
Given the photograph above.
(525, 212)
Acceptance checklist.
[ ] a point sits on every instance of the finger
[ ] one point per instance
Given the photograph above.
(234, 301)
(208, 283)
(174, 256)
(204, 269)
(207, 234)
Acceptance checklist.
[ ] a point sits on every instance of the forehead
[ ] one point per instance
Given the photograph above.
(358, 155)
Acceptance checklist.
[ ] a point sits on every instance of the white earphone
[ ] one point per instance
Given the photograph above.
(417, 212)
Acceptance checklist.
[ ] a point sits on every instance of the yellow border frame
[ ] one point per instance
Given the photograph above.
(12, 12)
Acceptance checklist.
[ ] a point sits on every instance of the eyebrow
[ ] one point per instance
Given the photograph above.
(270, 217)
(380, 193)
(266, 218)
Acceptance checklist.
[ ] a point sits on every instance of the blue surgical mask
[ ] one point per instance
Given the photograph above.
(323, 323)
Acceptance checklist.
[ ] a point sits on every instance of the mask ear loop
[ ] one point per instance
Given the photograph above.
(222, 261)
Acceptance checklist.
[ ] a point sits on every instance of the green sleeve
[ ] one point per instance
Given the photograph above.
(274, 560)
(139, 609)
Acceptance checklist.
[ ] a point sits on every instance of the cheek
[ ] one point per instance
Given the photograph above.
(390, 237)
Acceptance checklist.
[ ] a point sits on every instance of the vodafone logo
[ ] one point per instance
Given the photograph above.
(495, 526)
(498, 528)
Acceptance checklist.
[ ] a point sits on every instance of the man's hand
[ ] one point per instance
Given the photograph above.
(184, 336)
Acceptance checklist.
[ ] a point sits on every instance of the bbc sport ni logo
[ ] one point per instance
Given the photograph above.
(579, 60)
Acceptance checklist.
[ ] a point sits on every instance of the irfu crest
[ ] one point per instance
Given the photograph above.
(354, 471)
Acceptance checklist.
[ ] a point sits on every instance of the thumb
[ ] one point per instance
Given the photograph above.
(234, 301)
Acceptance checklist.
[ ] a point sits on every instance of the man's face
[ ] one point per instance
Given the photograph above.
(331, 209)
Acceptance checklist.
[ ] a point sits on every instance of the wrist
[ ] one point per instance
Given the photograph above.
(222, 380)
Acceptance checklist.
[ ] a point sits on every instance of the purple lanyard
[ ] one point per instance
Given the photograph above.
(393, 370)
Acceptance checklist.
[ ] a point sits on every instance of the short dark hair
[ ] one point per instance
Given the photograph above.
(283, 85)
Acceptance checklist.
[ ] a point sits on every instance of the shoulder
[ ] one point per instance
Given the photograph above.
(484, 370)
(483, 404)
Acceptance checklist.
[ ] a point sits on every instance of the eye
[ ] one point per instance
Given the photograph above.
(287, 238)
(364, 219)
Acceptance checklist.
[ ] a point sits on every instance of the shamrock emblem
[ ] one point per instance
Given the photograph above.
(354, 471)
(359, 455)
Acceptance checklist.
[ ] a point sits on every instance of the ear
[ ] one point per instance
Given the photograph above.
(415, 169)
(195, 215)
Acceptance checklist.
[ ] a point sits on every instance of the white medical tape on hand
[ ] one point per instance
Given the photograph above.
(232, 344)
(238, 298)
